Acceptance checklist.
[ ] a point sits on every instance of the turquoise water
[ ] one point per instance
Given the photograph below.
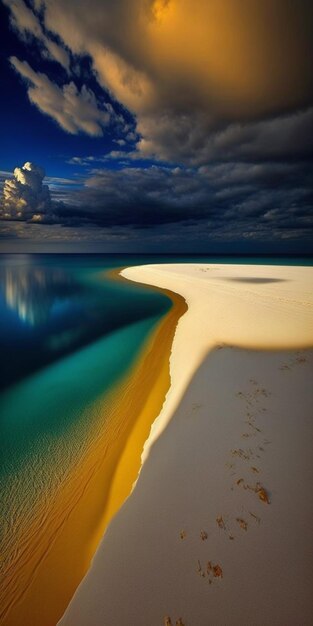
(40, 410)
(52, 306)
(68, 335)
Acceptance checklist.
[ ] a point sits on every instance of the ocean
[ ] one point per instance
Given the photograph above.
(69, 335)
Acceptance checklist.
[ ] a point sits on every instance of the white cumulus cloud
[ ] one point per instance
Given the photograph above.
(24, 196)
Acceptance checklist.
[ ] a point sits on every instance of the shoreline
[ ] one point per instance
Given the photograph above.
(245, 332)
(285, 320)
(76, 517)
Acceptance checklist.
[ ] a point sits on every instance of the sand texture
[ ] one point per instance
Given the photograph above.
(54, 548)
(218, 529)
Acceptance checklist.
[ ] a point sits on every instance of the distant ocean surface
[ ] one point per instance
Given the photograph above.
(68, 334)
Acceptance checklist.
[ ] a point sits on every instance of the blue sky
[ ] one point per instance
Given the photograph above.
(146, 125)
(37, 137)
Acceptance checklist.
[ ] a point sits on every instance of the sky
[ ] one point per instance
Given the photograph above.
(156, 126)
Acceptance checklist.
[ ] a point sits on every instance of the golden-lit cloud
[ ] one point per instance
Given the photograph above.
(74, 110)
(27, 24)
(237, 57)
(217, 93)
(186, 69)
(240, 58)
(194, 74)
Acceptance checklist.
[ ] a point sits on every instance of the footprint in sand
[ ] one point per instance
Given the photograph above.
(284, 368)
(242, 523)
(200, 571)
(211, 571)
(300, 359)
(258, 489)
(223, 526)
(244, 454)
(196, 407)
(253, 409)
(258, 430)
(215, 569)
(220, 522)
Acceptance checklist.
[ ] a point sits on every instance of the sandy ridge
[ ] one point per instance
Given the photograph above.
(196, 543)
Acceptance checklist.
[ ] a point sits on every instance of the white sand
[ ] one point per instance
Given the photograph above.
(238, 400)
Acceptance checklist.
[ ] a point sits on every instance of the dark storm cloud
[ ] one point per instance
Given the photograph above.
(224, 93)
(287, 137)
(226, 200)
(221, 201)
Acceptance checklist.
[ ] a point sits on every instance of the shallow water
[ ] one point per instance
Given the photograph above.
(68, 336)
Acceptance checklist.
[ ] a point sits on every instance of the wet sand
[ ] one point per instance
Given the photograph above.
(56, 548)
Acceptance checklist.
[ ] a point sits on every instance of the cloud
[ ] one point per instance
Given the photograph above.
(221, 96)
(25, 198)
(234, 201)
(216, 82)
(56, 53)
(75, 111)
(26, 23)
(113, 155)
(189, 75)
(224, 200)
(191, 140)
(86, 160)
(214, 56)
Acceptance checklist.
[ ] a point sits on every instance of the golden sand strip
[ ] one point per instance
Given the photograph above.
(218, 528)
(58, 547)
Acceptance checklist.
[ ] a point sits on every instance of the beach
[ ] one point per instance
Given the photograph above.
(217, 529)
(54, 544)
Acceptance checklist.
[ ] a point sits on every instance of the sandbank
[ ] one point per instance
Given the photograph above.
(218, 527)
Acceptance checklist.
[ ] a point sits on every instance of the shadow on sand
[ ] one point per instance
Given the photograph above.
(256, 280)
